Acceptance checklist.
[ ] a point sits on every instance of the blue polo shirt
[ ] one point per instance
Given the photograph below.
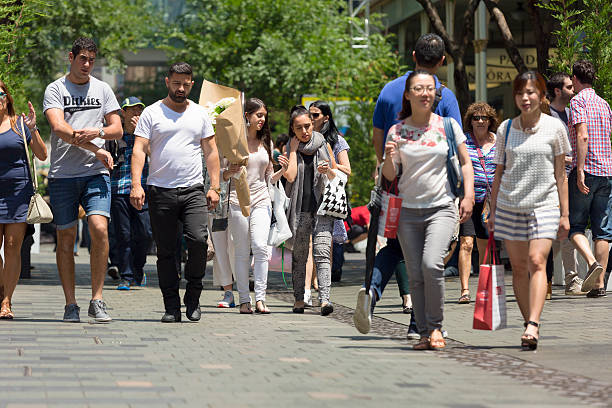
(389, 104)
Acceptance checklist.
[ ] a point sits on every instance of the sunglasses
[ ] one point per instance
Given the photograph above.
(478, 118)
(315, 115)
(2, 94)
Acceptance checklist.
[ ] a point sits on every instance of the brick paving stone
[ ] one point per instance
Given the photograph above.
(228, 359)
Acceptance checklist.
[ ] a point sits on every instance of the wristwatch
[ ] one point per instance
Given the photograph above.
(216, 190)
(101, 133)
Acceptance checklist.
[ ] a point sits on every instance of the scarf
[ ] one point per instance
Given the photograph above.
(316, 146)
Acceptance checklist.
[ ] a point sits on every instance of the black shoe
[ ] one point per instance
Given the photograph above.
(326, 308)
(171, 317)
(597, 292)
(350, 248)
(336, 276)
(299, 310)
(193, 314)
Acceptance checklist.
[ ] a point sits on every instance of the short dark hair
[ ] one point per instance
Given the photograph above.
(83, 43)
(584, 70)
(555, 82)
(180, 68)
(429, 50)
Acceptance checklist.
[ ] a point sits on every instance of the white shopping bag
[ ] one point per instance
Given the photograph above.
(279, 227)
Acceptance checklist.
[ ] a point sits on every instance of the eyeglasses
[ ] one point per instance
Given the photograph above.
(2, 94)
(420, 89)
(315, 115)
(477, 118)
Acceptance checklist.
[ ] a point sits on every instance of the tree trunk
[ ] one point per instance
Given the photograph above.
(543, 25)
(455, 49)
(509, 43)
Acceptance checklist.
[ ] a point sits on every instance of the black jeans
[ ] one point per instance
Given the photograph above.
(132, 236)
(168, 206)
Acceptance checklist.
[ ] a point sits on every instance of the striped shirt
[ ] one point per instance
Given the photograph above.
(121, 176)
(480, 179)
(587, 107)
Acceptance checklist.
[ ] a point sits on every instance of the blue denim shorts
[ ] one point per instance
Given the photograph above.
(595, 206)
(93, 193)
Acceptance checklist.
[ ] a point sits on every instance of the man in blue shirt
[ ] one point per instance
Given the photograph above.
(132, 227)
(428, 55)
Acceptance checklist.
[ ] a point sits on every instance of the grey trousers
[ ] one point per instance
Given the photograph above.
(320, 227)
(425, 235)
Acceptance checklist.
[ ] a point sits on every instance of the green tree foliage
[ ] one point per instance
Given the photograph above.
(585, 31)
(38, 34)
(279, 50)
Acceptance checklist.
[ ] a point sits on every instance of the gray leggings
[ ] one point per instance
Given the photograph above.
(320, 227)
(425, 235)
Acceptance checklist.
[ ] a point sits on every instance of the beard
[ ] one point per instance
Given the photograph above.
(177, 98)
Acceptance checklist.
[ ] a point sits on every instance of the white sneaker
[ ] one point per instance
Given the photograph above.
(363, 316)
(227, 301)
(573, 287)
(307, 298)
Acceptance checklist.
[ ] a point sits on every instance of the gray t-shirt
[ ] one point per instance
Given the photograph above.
(84, 106)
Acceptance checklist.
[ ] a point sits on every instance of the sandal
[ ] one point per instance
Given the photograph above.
(5, 312)
(423, 344)
(528, 341)
(264, 309)
(437, 343)
(247, 309)
(465, 298)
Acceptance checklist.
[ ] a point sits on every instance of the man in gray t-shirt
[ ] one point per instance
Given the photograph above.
(77, 106)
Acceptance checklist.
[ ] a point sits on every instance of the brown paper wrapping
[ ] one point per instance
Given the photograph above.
(230, 135)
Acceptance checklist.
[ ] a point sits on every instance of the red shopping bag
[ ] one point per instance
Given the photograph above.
(391, 206)
(490, 309)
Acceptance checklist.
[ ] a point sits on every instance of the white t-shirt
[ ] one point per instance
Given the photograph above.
(174, 140)
(422, 154)
(528, 182)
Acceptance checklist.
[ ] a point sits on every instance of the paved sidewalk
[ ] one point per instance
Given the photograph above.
(283, 359)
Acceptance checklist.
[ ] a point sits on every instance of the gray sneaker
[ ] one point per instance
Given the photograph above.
(97, 310)
(71, 313)
(573, 287)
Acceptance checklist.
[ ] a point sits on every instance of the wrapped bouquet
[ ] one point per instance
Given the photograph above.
(224, 106)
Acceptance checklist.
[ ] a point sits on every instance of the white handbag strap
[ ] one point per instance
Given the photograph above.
(31, 163)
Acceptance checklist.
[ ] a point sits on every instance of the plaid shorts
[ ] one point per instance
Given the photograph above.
(525, 226)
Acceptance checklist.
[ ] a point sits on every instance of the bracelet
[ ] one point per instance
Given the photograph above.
(35, 129)
(216, 190)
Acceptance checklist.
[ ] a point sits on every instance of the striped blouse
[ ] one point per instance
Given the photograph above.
(480, 180)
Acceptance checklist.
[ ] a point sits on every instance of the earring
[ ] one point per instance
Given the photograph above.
(248, 123)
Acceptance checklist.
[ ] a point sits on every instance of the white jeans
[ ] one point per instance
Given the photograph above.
(251, 234)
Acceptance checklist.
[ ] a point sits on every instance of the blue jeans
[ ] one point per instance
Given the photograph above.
(132, 237)
(91, 192)
(385, 264)
(596, 206)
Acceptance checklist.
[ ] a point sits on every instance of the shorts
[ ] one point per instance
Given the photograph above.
(474, 225)
(93, 193)
(541, 223)
(595, 206)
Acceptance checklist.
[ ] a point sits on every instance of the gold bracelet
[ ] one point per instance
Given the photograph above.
(216, 190)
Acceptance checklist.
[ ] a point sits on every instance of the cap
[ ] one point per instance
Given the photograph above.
(131, 101)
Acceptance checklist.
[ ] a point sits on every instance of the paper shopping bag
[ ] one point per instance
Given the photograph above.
(391, 206)
(490, 309)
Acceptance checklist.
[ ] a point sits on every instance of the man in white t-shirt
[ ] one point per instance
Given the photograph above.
(176, 131)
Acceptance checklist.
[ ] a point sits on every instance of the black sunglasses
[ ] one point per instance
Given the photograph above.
(315, 115)
(478, 117)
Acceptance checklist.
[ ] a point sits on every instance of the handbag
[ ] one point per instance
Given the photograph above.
(279, 226)
(39, 211)
(490, 309)
(453, 166)
(333, 200)
(280, 260)
(220, 224)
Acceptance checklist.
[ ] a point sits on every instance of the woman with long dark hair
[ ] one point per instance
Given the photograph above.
(15, 190)
(529, 203)
(250, 234)
(429, 215)
(311, 161)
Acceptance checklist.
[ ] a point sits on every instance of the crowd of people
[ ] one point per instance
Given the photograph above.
(155, 171)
